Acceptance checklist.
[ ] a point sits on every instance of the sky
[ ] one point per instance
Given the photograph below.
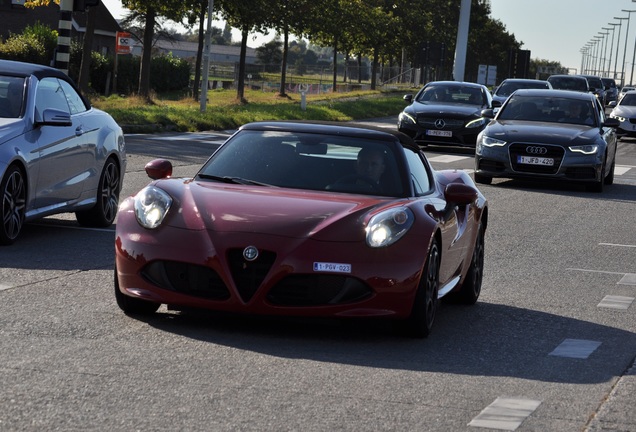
(554, 30)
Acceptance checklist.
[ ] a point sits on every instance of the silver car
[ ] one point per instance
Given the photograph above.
(625, 112)
(57, 153)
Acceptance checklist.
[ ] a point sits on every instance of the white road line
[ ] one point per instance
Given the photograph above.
(616, 302)
(628, 279)
(575, 348)
(596, 271)
(5, 287)
(505, 413)
(447, 158)
(617, 245)
(621, 169)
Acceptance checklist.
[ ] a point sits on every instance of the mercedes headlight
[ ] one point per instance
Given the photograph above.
(406, 118)
(585, 149)
(389, 226)
(151, 206)
(476, 123)
(619, 118)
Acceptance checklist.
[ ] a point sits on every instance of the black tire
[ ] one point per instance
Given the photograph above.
(471, 287)
(420, 323)
(13, 189)
(482, 179)
(105, 209)
(133, 306)
(609, 180)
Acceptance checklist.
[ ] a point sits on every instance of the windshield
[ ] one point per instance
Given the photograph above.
(307, 161)
(11, 96)
(451, 94)
(629, 99)
(569, 83)
(548, 110)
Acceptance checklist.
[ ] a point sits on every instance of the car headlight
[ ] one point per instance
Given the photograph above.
(406, 118)
(619, 118)
(151, 206)
(389, 226)
(476, 123)
(585, 149)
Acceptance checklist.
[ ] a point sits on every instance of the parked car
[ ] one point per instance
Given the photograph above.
(625, 90)
(445, 113)
(569, 82)
(509, 85)
(611, 90)
(596, 87)
(549, 135)
(304, 219)
(625, 112)
(57, 153)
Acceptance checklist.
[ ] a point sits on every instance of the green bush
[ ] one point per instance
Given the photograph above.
(169, 73)
(36, 44)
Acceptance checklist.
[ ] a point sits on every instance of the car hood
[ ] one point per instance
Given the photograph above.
(448, 109)
(624, 111)
(267, 210)
(538, 132)
(10, 128)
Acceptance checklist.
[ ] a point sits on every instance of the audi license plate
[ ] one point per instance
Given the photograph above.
(439, 133)
(533, 160)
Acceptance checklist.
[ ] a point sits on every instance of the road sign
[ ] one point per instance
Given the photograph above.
(124, 43)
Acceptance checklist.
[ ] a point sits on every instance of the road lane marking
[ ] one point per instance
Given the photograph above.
(596, 271)
(628, 279)
(575, 348)
(617, 245)
(621, 169)
(616, 302)
(448, 158)
(505, 413)
(4, 287)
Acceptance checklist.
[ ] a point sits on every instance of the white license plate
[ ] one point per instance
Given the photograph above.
(332, 267)
(532, 160)
(439, 133)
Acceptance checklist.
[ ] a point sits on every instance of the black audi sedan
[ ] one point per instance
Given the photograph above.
(445, 113)
(550, 135)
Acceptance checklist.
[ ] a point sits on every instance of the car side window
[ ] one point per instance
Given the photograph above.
(420, 177)
(50, 95)
(74, 100)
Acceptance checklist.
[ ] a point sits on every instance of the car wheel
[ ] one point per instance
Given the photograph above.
(471, 287)
(598, 185)
(609, 180)
(420, 322)
(483, 179)
(104, 212)
(13, 209)
(133, 306)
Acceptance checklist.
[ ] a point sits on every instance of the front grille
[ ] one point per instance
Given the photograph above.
(318, 290)
(491, 166)
(520, 149)
(248, 275)
(632, 120)
(190, 279)
(449, 123)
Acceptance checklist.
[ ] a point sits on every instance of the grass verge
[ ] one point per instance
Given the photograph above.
(223, 111)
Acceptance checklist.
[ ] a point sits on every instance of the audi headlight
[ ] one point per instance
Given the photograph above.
(492, 142)
(476, 123)
(389, 226)
(406, 118)
(151, 206)
(585, 149)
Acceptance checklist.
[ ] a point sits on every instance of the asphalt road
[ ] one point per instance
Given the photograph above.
(548, 347)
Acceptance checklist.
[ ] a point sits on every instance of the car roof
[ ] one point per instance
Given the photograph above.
(333, 128)
(455, 83)
(556, 93)
(577, 77)
(23, 69)
(523, 80)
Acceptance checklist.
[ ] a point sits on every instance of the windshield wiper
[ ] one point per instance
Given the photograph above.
(233, 180)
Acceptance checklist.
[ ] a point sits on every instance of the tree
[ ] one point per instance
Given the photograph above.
(150, 12)
(270, 52)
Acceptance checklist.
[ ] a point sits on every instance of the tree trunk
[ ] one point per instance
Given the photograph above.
(283, 67)
(335, 65)
(374, 68)
(197, 66)
(240, 88)
(144, 70)
(87, 48)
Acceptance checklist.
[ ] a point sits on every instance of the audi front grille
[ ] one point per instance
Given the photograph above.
(536, 150)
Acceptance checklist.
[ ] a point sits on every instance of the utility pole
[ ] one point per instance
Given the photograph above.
(206, 59)
(462, 41)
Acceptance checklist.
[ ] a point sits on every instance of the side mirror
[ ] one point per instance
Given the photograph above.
(55, 117)
(611, 122)
(612, 104)
(460, 194)
(158, 169)
(488, 113)
(408, 98)
(496, 103)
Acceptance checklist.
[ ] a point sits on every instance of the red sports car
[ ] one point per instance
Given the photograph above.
(304, 219)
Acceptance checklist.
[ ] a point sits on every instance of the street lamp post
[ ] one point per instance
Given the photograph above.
(597, 40)
(629, 15)
(601, 62)
(609, 63)
(617, 45)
